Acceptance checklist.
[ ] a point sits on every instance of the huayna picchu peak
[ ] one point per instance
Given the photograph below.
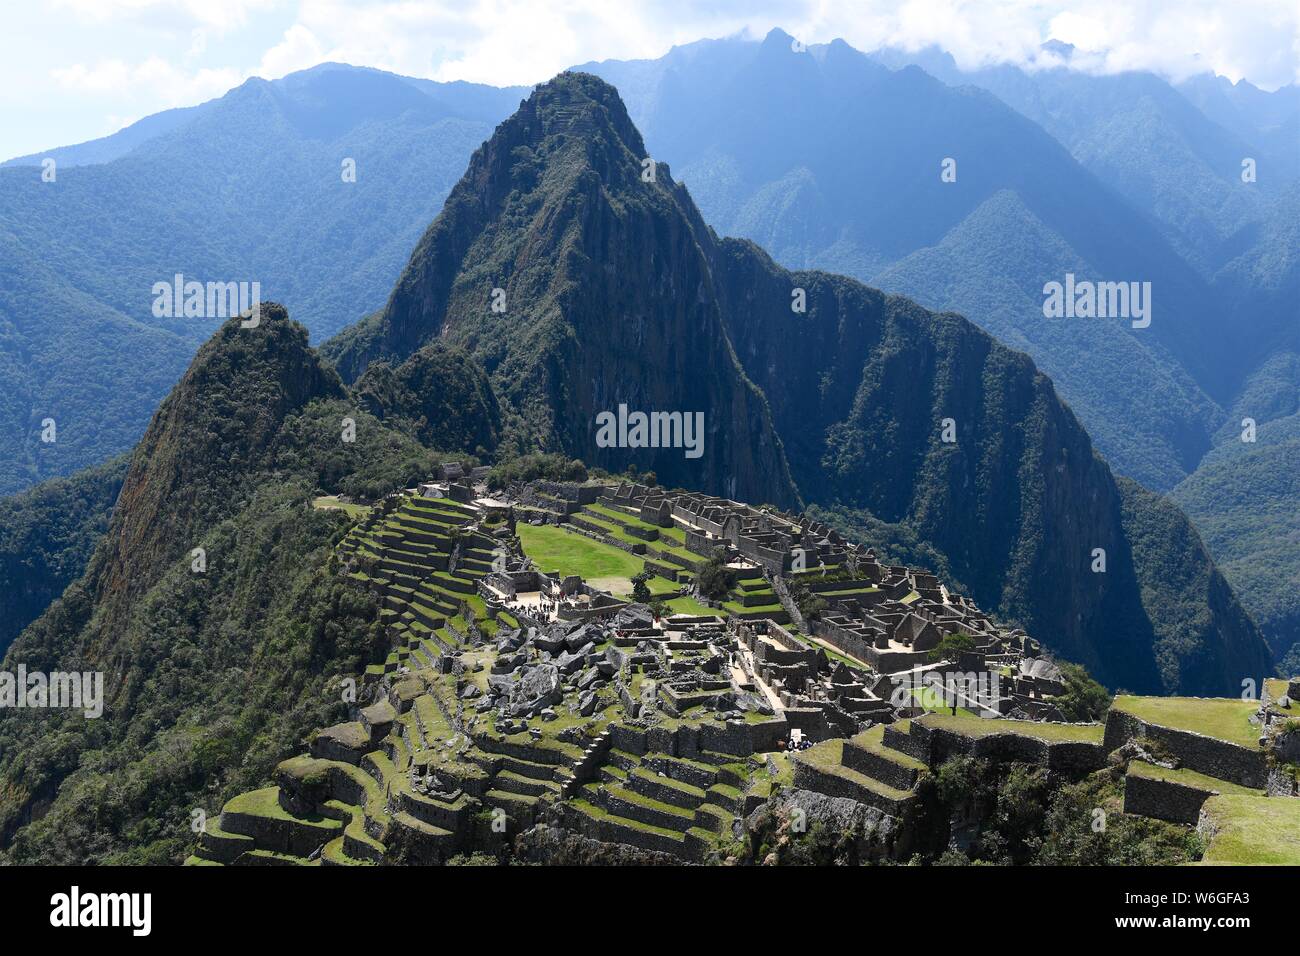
(613, 536)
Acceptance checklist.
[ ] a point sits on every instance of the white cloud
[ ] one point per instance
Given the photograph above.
(156, 77)
(220, 15)
(177, 52)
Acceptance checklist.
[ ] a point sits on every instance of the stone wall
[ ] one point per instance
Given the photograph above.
(890, 772)
(1069, 757)
(1163, 799)
(914, 746)
(809, 777)
(1207, 755)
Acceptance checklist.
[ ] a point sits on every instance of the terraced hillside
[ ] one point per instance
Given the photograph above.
(425, 559)
(1224, 766)
(504, 721)
(422, 773)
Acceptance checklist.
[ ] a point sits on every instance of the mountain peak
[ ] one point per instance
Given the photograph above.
(212, 433)
(579, 104)
(576, 271)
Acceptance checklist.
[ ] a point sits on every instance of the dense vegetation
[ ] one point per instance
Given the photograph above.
(440, 395)
(978, 813)
(1243, 500)
(211, 676)
(47, 534)
(1018, 815)
(536, 467)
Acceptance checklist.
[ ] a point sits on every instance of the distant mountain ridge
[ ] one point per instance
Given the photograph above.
(247, 187)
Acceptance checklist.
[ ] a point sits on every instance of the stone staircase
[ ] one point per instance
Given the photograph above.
(660, 802)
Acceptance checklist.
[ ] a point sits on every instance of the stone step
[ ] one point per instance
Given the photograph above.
(511, 782)
(694, 772)
(867, 754)
(336, 854)
(612, 828)
(528, 768)
(222, 847)
(714, 818)
(621, 801)
(664, 789)
(726, 796)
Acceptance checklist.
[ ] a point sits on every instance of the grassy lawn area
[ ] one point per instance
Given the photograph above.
(1221, 717)
(688, 605)
(330, 502)
(982, 727)
(1254, 830)
(553, 548)
(932, 699)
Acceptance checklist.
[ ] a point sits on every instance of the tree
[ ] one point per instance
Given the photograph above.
(952, 646)
(640, 589)
(714, 579)
(1084, 698)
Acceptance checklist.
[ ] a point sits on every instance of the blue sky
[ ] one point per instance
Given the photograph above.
(74, 70)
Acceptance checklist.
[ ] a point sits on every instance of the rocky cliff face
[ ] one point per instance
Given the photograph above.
(603, 297)
(616, 292)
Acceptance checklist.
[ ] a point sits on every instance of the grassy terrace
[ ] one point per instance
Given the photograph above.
(553, 548)
(1224, 718)
(266, 803)
(828, 757)
(1189, 778)
(872, 740)
(620, 517)
(735, 607)
(332, 503)
(1254, 830)
(982, 727)
(688, 605)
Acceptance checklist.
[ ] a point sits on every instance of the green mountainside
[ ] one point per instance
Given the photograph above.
(213, 602)
(440, 395)
(211, 675)
(248, 187)
(47, 535)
